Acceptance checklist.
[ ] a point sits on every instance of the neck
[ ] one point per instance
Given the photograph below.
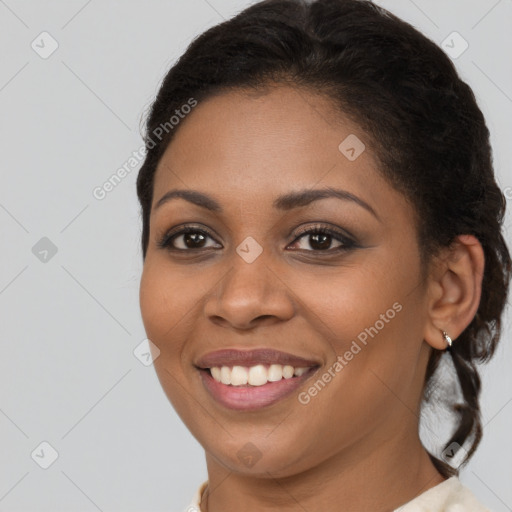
(386, 476)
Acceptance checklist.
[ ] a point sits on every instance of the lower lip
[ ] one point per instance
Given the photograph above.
(246, 398)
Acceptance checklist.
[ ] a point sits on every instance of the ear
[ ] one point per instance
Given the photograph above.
(454, 291)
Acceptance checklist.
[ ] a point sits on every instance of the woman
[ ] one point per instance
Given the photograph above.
(321, 236)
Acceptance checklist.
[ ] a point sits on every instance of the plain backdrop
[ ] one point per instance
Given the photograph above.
(76, 77)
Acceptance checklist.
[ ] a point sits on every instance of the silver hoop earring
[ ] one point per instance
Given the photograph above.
(448, 341)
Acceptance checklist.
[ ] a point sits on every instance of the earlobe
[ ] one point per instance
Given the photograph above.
(454, 291)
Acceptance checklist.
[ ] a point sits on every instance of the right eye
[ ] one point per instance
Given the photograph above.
(189, 238)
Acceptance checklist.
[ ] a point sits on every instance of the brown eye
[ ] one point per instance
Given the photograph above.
(188, 238)
(321, 240)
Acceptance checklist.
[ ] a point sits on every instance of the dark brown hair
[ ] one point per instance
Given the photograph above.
(422, 122)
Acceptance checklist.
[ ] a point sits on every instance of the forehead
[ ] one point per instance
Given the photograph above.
(245, 144)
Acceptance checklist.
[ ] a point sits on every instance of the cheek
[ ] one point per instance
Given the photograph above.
(346, 302)
(165, 301)
(371, 316)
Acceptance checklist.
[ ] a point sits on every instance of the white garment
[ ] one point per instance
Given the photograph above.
(448, 496)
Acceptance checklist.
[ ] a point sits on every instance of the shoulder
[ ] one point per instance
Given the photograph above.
(448, 496)
(195, 504)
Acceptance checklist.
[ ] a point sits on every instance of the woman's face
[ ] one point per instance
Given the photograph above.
(350, 301)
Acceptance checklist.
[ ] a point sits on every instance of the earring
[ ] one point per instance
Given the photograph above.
(448, 341)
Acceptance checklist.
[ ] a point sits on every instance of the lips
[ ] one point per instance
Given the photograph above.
(235, 357)
(247, 397)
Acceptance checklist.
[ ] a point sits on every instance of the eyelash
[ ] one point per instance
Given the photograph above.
(347, 243)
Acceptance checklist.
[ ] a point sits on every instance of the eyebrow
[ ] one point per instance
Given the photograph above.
(285, 202)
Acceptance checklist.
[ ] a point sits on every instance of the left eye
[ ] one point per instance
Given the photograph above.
(321, 240)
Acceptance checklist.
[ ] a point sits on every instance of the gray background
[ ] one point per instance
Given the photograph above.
(70, 321)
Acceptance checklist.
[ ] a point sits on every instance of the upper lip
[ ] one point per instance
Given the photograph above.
(232, 357)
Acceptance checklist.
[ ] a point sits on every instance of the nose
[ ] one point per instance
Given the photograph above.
(248, 295)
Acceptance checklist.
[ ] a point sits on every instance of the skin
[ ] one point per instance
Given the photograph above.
(355, 445)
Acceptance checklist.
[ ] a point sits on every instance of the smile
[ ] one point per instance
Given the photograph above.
(248, 380)
(257, 375)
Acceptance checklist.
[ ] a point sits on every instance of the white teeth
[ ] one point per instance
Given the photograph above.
(255, 375)
(215, 373)
(225, 375)
(258, 375)
(288, 371)
(239, 376)
(275, 372)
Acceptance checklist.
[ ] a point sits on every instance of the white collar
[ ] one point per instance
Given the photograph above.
(448, 496)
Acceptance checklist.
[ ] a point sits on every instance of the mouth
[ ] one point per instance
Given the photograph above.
(248, 380)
